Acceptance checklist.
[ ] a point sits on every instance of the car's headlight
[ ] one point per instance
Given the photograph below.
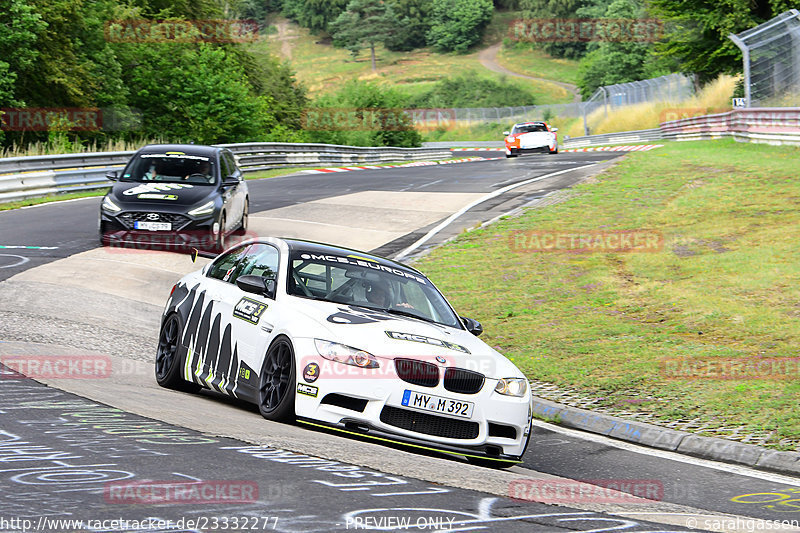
(204, 209)
(512, 387)
(345, 354)
(110, 206)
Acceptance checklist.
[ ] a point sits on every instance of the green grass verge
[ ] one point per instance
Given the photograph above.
(5, 206)
(725, 286)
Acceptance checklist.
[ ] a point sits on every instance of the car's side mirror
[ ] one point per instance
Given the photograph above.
(506, 133)
(472, 325)
(230, 181)
(257, 285)
(112, 175)
(554, 130)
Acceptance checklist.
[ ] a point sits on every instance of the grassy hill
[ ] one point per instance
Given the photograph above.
(322, 68)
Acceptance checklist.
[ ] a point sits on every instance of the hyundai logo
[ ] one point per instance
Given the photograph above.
(152, 216)
(441, 359)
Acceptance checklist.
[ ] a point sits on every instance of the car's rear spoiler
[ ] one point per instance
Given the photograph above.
(201, 253)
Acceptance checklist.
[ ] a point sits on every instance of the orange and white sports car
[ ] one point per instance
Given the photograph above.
(526, 137)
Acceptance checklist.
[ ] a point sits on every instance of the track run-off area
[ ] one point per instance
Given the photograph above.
(66, 445)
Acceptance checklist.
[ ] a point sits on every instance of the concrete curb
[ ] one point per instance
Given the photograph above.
(715, 449)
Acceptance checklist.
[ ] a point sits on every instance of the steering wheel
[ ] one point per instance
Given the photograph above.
(204, 177)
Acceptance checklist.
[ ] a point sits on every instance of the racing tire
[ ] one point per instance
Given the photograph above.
(512, 154)
(169, 359)
(242, 229)
(276, 383)
(554, 151)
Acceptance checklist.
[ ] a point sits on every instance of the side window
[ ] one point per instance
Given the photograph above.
(230, 161)
(223, 267)
(260, 260)
(224, 168)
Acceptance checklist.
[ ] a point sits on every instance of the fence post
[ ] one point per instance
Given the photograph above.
(746, 59)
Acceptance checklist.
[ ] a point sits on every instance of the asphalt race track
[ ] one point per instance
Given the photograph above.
(79, 448)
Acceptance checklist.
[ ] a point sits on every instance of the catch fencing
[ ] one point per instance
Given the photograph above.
(771, 61)
(25, 177)
(670, 88)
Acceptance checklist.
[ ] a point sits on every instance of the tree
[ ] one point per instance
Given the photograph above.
(20, 27)
(458, 24)
(364, 24)
(610, 62)
(372, 115)
(472, 90)
(314, 14)
(414, 17)
(211, 102)
(557, 9)
(698, 30)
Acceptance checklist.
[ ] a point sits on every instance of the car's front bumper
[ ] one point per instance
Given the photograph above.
(372, 403)
(117, 230)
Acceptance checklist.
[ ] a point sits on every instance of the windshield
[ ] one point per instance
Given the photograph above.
(171, 168)
(354, 280)
(529, 128)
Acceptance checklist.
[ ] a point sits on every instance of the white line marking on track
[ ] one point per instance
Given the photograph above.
(664, 454)
(59, 202)
(22, 260)
(21, 247)
(480, 200)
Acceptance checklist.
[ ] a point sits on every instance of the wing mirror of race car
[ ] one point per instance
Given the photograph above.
(472, 325)
(112, 175)
(230, 181)
(554, 130)
(506, 133)
(257, 285)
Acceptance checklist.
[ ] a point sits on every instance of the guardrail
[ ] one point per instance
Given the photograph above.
(758, 125)
(25, 177)
(623, 137)
(772, 125)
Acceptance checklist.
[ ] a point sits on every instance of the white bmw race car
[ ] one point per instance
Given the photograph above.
(527, 137)
(347, 340)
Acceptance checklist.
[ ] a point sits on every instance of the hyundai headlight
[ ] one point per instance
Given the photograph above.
(512, 387)
(110, 206)
(205, 209)
(348, 355)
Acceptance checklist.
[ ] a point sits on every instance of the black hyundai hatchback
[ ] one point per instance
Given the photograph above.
(175, 195)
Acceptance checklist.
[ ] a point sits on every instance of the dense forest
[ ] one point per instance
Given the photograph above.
(80, 54)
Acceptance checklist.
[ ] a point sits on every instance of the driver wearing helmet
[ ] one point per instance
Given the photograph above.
(202, 168)
(379, 293)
